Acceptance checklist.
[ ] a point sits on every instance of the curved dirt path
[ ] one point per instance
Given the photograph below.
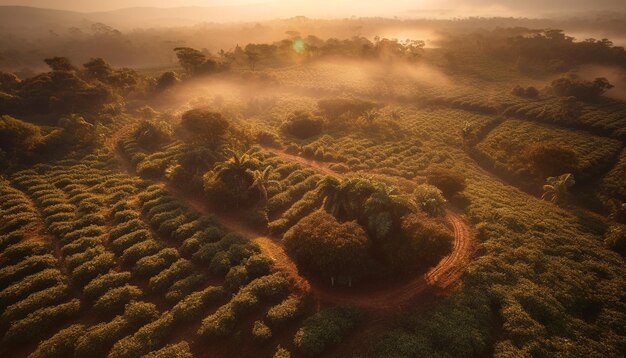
(439, 279)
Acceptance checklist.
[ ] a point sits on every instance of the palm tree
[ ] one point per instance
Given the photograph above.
(370, 116)
(556, 188)
(383, 209)
(344, 199)
(234, 172)
(262, 181)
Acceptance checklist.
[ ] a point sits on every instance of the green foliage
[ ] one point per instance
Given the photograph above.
(98, 339)
(321, 245)
(615, 239)
(326, 328)
(286, 311)
(430, 199)
(38, 323)
(261, 332)
(103, 283)
(302, 125)
(205, 127)
(177, 350)
(116, 298)
(61, 344)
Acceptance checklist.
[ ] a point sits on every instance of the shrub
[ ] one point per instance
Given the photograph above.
(18, 252)
(286, 311)
(615, 239)
(145, 340)
(167, 277)
(177, 350)
(449, 182)
(183, 287)
(194, 305)
(30, 265)
(261, 332)
(151, 134)
(326, 328)
(99, 339)
(43, 298)
(124, 242)
(91, 269)
(30, 284)
(116, 298)
(103, 283)
(151, 265)
(139, 250)
(61, 344)
(302, 125)
(38, 323)
(281, 353)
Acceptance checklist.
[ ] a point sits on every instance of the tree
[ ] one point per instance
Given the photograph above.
(205, 127)
(18, 138)
(302, 125)
(230, 181)
(262, 180)
(195, 62)
(449, 182)
(321, 245)
(167, 80)
(557, 188)
(384, 209)
(430, 199)
(150, 134)
(551, 158)
(60, 64)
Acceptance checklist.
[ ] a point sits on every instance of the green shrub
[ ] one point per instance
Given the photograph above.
(177, 350)
(142, 249)
(261, 332)
(30, 284)
(124, 242)
(38, 323)
(326, 328)
(18, 252)
(145, 340)
(43, 298)
(302, 125)
(189, 308)
(30, 265)
(60, 345)
(116, 298)
(286, 311)
(86, 272)
(99, 339)
(167, 277)
(151, 265)
(184, 287)
(103, 283)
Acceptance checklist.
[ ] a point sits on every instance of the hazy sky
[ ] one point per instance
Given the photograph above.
(352, 7)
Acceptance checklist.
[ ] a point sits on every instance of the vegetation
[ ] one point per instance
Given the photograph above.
(217, 204)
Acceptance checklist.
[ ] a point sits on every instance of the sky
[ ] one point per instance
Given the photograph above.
(332, 8)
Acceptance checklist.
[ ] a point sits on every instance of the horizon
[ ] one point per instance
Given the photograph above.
(323, 9)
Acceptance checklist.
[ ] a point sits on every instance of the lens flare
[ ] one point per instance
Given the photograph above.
(298, 46)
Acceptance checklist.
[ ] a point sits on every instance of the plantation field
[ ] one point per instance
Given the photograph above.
(506, 146)
(386, 204)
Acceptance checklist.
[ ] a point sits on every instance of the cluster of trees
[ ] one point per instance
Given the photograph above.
(22, 142)
(552, 51)
(574, 86)
(96, 88)
(365, 229)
